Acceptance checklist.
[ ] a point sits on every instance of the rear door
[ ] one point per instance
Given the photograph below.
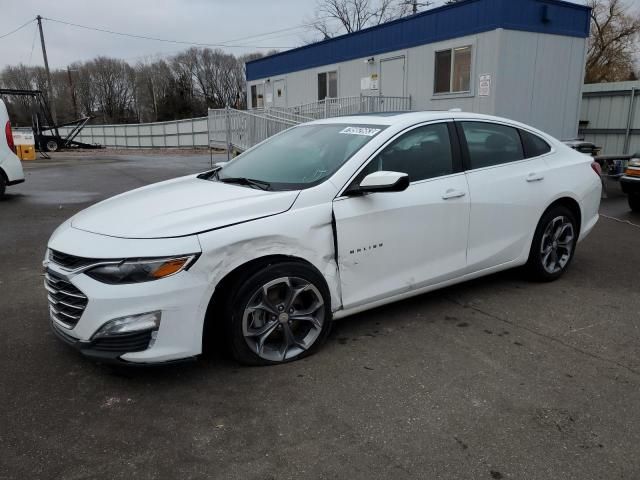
(394, 242)
(507, 190)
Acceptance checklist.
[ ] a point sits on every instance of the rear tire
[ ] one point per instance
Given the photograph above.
(3, 185)
(634, 202)
(554, 244)
(52, 146)
(279, 314)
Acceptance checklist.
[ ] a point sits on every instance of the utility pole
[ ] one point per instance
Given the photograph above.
(415, 4)
(73, 93)
(52, 105)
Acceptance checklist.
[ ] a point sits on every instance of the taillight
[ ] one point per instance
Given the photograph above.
(9, 134)
(596, 168)
(633, 168)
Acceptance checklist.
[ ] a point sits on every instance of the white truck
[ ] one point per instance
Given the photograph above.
(10, 167)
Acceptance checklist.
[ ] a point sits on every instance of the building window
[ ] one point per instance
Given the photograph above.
(327, 85)
(453, 70)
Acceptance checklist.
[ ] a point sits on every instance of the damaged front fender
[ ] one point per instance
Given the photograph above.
(305, 234)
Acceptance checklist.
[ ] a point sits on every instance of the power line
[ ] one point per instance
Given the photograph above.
(19, 28)
(33, 43)
(268, 34)
(144, 37)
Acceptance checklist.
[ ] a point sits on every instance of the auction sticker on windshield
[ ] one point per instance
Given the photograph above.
(369, 132)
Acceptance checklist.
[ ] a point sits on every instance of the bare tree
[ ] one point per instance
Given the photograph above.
(113, 83)
(346, 16)
(615, 31)
(111, 90)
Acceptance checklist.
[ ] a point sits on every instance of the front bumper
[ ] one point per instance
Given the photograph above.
(109, 351)
(180, 299)
(630, 185)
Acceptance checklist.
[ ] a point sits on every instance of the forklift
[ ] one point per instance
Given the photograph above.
(45, 130)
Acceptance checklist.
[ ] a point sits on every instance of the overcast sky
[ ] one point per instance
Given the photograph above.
(201, 21)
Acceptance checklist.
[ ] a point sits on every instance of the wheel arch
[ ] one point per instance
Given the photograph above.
(212, 325)
(569, 203)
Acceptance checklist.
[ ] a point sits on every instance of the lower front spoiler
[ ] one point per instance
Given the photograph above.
(91, 350)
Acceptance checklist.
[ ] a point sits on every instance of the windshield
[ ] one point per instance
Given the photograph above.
(301, 157)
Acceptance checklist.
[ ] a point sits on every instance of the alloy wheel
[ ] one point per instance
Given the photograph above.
(557, 244)
(283, 318)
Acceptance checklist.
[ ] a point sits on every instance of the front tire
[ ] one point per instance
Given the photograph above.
(3, 185)
(554, 244)
(634, 202)
(279, 314)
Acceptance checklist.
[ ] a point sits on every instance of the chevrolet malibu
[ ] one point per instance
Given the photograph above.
(317, 223)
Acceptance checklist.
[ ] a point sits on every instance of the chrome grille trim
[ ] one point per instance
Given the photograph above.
(72, 264)
(66, 302)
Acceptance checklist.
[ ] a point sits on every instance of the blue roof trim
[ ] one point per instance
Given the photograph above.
(450, 21)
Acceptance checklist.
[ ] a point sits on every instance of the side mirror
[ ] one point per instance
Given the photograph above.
(219, 165)
(383, 182)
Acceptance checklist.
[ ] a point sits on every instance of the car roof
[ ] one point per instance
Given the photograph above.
(406, 119)
(394, 118)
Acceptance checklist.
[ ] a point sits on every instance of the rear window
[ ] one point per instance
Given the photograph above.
(534, 146)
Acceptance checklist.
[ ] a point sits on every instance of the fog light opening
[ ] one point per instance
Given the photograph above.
(131, 323)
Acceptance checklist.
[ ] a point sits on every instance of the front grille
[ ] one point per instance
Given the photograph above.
(124, 342)
(66, 302)
(71, 262)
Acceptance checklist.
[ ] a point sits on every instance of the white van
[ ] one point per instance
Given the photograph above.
(10, 167)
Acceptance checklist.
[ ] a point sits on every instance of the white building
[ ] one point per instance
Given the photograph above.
(521, 59)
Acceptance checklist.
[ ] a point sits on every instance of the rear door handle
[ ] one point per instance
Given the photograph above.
(535, 177)
(449, 194)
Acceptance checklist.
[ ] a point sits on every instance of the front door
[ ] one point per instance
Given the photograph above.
(394, 242)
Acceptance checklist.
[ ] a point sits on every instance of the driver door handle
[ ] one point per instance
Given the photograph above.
(535, 177)
(451, 193)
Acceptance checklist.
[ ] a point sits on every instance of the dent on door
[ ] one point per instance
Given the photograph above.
(391, 243)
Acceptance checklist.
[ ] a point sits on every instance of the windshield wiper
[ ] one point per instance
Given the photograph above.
(246, 181)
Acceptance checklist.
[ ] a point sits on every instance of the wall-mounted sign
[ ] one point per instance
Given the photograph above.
(373, 85)
(365, 83)
(484, 87)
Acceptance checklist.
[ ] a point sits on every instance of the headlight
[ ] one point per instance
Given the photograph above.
(634, 162)
(137, 271)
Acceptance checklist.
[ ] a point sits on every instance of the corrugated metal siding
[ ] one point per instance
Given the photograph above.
(447, 22)
(606, 109)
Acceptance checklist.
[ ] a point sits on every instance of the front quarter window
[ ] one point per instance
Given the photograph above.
(301, 157)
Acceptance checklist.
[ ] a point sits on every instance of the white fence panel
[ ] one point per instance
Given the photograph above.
(189, 133)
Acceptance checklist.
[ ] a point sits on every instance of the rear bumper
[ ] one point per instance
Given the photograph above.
(12, 168)
(630, 184)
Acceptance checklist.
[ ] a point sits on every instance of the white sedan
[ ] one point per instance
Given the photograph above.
(324, 220)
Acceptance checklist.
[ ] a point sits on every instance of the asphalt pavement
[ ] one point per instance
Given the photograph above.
(498, 378)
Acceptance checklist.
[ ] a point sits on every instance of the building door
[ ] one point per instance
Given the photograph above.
(279, 94)
(392, 77)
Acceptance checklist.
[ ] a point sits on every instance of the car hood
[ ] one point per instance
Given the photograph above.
(179, 207)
